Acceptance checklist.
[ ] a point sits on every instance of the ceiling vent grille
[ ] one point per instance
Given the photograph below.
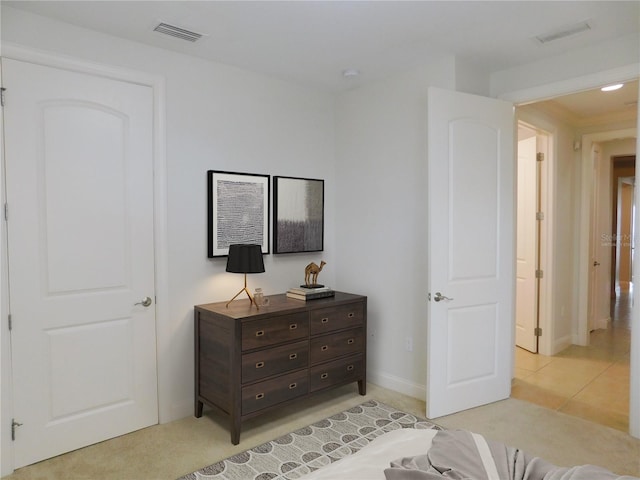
(563, 33)
(178, 32)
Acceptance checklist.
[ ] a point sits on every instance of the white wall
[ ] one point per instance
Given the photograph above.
(381, 223)
(472, 79)
(619, 147)
(217, 117)
(585, 64)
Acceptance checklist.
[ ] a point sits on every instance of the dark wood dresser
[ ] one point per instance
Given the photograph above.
(249, 360)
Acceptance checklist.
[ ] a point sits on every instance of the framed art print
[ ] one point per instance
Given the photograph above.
(298, 215)
(238, 211)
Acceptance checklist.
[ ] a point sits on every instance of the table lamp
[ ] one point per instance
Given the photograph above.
(245, 259)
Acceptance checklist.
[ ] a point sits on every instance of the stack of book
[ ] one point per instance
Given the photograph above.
(310, 293)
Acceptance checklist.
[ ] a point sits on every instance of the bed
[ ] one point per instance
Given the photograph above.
(425, 454)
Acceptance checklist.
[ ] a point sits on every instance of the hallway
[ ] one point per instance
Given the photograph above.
(587, 382)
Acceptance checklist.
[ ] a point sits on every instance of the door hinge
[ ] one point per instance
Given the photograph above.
(10, 322)
(540, 216)
(2, 90)
(537, 332)
(539, 274)
(6, 211)
(14, 424)
(540, 157)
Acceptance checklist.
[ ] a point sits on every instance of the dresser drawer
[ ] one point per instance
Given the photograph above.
(271, 392)
(335, 318)
(328, 347)
(336, 372)
(283, 328)
(271, 361)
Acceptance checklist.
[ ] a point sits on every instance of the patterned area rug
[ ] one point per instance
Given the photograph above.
(310, 448)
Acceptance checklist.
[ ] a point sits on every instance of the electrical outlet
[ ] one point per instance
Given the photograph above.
(408, 344)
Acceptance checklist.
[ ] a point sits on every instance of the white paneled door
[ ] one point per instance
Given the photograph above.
(471, 251)
(81, 260)
(527, 244)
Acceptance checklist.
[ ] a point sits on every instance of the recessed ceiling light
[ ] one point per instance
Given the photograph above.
(611, 88)
(350, 73)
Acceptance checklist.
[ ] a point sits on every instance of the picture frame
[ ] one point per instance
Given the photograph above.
(298, 215)
(238, 207)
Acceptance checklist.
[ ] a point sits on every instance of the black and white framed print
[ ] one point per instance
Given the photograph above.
(298, 215)
(238, 211)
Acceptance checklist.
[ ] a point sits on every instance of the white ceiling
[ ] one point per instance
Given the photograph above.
(312, 42)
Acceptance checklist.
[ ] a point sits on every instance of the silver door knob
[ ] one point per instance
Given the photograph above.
(438, 297)
(146, 301)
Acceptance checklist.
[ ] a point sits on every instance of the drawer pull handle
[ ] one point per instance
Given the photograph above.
(351, 315)
(259, 333)
(325, 320)
(260, 396)
(293, 356)
(293, 326)
(349, 368)
(259, 364)
(350, 341)
(324, 348)
(292, 386)
(324, 375)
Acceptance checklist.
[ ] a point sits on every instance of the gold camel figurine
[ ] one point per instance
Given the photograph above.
(311, 272)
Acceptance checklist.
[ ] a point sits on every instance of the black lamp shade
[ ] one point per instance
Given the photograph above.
(245, 259)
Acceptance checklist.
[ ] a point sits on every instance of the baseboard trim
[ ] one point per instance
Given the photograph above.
(603, 323)
(564, 342)
(397, 384)
(180, 409)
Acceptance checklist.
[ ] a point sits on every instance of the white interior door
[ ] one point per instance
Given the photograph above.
(80, 239)
(471, 251)
(526, 242)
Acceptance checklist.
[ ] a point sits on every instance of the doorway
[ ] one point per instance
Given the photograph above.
(623, 225)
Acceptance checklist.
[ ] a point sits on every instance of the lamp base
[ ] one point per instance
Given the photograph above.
(245, 289)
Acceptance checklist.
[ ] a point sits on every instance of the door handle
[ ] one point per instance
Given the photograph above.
(438, 297)
(146, 301)
(595, 264)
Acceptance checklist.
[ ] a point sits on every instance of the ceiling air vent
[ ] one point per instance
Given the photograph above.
(178, 32)
(563, 33)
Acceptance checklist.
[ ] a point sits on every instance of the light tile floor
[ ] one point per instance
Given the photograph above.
(587, 382)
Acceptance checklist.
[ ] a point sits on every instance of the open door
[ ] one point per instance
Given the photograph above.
(470, 324)
(527, 241)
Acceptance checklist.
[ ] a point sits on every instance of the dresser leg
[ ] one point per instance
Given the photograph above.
(362, 387)
(235, 431)
(198, 410)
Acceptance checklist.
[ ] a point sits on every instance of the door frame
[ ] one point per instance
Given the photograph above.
(572, 85)
(160, 230)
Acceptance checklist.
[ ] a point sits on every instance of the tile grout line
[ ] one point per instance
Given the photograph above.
(585, 386)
